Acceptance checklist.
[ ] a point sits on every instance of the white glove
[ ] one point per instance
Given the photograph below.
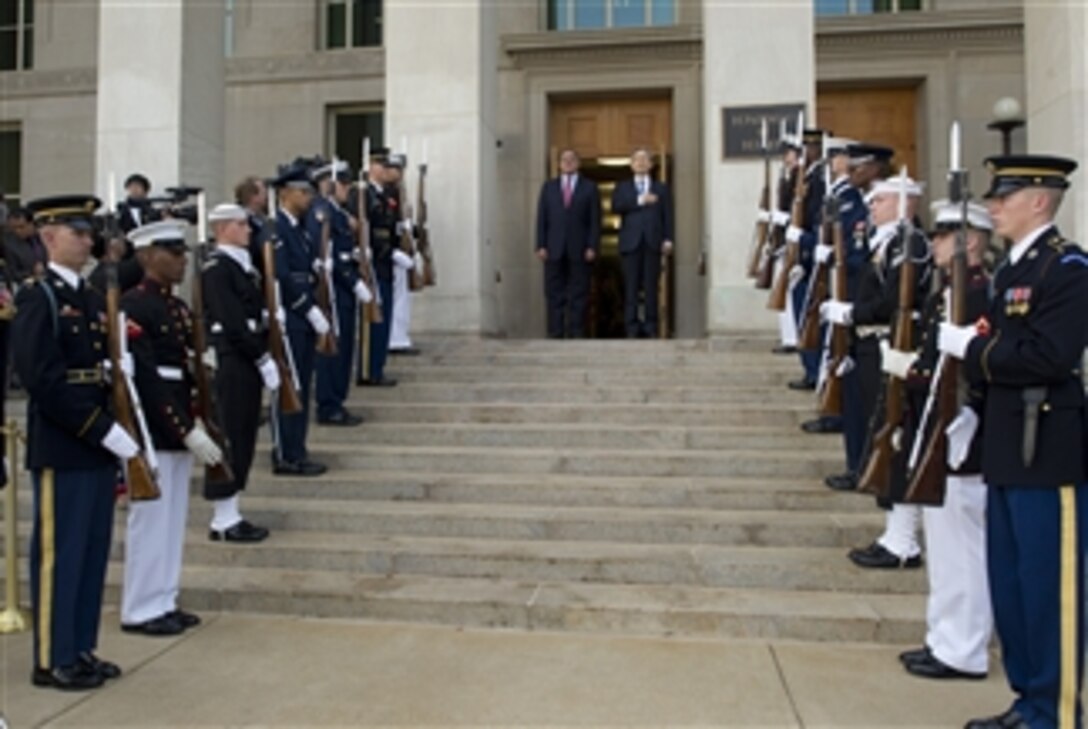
(895, 362)
(120, 443)
(837, 312)
(210, 359)
(362, 293)
(953, 340)
(322, 265)
(763, 216)
(796, 274)
(281, 317)
(318, 321)
(781, 218)
(793, 234)
(845, 367)
(404, 226)
(402, 259)
(202, 446)
(269, 372)
(823, 253)
(128, 366)
(960, 433)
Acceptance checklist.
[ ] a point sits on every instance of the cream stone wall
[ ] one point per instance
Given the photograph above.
(65, 34)
(1057, 102)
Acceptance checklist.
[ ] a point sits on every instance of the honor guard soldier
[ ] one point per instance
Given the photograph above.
(959, 620)
(875, 307)
(235, 312)
(867, 162)
(385, 227)
(333, 372)
(806, 237)
(73, 444)
(1027, 356)
(251, 194)
(791, 146)
(297, 268)
(160, 336)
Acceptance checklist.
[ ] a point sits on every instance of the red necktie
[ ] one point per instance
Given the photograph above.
(566, 191)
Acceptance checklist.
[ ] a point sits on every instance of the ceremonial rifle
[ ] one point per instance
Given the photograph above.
(289, 401)
(220, 473)
(430, 274)
(326, 343)
(777, 299)
(838, 334)
(927, 477)
(761, 239)
(140, 473)
(407, 244)
(372, 312)
(876, 476)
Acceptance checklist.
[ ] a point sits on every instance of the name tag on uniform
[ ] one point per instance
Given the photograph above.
(1018, 301)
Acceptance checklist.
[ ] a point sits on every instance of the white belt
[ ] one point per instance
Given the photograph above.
(217, 328)
(173, 374)
(873, 331)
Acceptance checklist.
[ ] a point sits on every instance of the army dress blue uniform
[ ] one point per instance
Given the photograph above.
(60, 326)
(1027, 356)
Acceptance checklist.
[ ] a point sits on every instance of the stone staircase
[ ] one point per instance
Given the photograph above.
(638, 487)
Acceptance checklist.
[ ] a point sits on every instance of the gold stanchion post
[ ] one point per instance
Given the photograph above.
(12, 619)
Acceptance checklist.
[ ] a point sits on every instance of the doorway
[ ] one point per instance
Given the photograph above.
(877, 114)
(604, 130)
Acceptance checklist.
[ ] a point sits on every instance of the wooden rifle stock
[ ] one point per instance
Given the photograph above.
(818, 290)
(763, 227)
(777, 299)
(289, 401)
(876, 477)
(326, 343)
(372, 313)
(430, 274)
(139, 475)
(220, 473)
(928, 480)
(407, 244)
(831, 395)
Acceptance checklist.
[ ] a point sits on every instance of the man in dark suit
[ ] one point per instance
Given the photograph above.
(135, 210)
(645, 236)
(568, 237)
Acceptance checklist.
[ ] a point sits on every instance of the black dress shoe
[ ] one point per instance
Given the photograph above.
(821, 425)
(803, 385)
(784, 349)
(1011, 719)
(383, 382)
(842, 482)
(243, 531)
(406, 352)
(342, 418)
(915, 654)
(159, 627)
(932, 667)
(67, 678)
(875, 556)
(187, 620)
(298, 468)
(106, 669)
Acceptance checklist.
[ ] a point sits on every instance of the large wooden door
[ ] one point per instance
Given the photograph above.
(610, 127)
(881, 115)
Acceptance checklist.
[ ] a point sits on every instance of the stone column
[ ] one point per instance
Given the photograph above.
(1057, 96)
(754, 54)
(160, 103)
(441, 86)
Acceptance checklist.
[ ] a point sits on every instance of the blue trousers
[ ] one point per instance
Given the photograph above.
(69, 547)
(810, 361)
(1036, 543)
(291, 429)
(860, 389)
(379, 332)
(333, 374)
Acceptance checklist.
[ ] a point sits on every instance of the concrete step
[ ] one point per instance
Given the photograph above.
(436, 391)
(586, 462)
(538, 524)
(573, 436)
(755, 375)
(786, 417)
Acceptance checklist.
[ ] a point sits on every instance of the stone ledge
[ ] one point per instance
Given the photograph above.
(677, 42)
(60, 82)
(318, 66)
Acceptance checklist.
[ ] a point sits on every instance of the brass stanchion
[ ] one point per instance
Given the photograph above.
(12, 619)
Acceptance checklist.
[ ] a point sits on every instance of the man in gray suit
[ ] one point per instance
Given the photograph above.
(645, 236)
(568, 237)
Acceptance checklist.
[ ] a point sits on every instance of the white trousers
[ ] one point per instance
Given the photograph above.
(402, 310)
(154, 543)
(900, 535)
(958, 615)
(787, 324)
